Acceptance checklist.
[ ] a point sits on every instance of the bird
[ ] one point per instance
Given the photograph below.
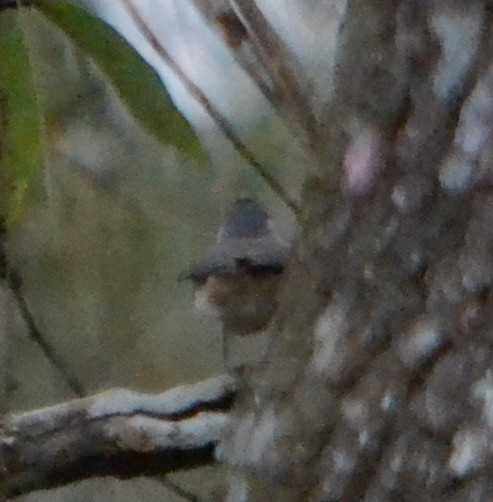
(237, 279)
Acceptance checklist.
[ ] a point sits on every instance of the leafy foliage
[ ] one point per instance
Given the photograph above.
(21, 115)
(21, 139)
(136, 82)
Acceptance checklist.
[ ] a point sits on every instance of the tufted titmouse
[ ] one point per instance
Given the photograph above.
(238, 278)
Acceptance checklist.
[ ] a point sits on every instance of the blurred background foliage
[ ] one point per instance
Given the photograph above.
(112, 218)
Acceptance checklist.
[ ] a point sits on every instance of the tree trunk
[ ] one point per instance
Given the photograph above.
(379, 382)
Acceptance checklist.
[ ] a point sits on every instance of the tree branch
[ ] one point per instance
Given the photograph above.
(281, 66)
(223, 124)
(238, 39)
(116, 433)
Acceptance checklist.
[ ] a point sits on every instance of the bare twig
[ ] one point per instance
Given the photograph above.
(51, 354)
(4, 312)
(14, 284)
(263, 55)
(13, 278)
(280, 64)
(179, 490)
(237, 38)
(224, 125)
(4, 366)
(117, 433)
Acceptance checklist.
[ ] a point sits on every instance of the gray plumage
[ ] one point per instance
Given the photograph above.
(238, 278)
(248, 243)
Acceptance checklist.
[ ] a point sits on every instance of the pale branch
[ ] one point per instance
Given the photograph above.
(266, 59)
(12, 286)
(222, 123)
(116, 433)
(283, 93)
(237, 38)
(281, 65)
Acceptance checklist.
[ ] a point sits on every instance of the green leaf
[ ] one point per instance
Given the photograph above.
(20, 145)
(136, 82)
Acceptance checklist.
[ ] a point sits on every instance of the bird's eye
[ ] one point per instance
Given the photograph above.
(200, 281)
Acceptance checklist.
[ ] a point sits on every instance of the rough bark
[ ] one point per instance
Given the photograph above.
(379, 383)
(117, 433)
